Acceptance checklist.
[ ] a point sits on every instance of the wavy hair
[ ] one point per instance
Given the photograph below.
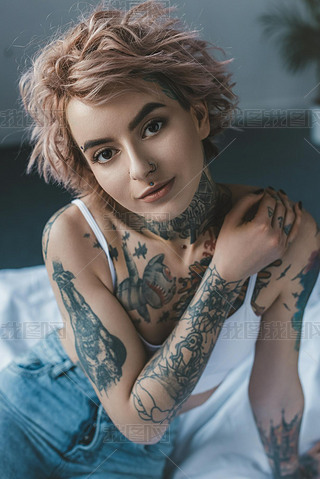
(107, 53)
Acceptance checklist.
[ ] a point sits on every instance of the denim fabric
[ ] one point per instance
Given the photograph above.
(53, 425)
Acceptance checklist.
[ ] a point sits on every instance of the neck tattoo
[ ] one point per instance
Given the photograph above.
(207, 209)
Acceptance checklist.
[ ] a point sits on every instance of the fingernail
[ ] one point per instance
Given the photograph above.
(271, 188)
(300, 205)
(283, 192)
(257, 192)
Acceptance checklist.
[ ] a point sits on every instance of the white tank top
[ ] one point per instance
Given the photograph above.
(237, 337)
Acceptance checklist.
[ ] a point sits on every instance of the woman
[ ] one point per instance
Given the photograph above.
(153, 259)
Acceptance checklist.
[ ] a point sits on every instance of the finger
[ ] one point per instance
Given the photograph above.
(276, 195)
(290, 213)
(296, 225)
(279, 215)
(266, 209)
(272, 193)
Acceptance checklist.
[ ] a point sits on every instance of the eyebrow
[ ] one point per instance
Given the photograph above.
(145, 110)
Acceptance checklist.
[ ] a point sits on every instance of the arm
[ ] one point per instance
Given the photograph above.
(169, 377)
(132, 391)
(275, 390)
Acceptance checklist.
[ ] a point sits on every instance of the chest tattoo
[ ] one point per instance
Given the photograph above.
(155, 288)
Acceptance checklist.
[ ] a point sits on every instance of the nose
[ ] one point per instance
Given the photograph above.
(139, 165)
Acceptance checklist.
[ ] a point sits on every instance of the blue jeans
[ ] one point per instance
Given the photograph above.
(53, 425)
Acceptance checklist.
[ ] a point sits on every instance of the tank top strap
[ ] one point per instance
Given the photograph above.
(251, 285)
(100, 237)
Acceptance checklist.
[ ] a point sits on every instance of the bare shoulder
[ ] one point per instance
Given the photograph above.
(67, 234)
(302, 256)
(56, 219)
(62, 234)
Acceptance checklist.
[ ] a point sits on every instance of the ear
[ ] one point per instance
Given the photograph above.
(200, 114)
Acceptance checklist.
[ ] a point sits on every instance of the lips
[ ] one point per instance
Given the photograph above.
(157, 187)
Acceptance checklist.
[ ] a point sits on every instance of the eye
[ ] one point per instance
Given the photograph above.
(105, 155)
(153, 124)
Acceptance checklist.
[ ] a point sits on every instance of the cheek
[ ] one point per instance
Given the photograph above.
(113, 182)
(186, 150)
(181, 142)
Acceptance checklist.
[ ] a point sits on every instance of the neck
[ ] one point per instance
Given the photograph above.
(207, 209)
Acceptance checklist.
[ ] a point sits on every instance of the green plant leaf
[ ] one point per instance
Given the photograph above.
(297, 39)
(300, 47)
(314, 9)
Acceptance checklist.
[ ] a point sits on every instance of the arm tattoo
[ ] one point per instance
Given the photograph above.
(101, 354)
(307, 278)
(281, 445)
(280, 442)
(170, 376)
(284, 272)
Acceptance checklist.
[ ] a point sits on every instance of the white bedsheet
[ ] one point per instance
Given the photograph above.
(218, 440)
(28, 310)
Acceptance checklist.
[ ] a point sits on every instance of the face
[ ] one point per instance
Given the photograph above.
(121, 147)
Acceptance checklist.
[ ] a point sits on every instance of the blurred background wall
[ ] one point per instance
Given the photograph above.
(268, 150)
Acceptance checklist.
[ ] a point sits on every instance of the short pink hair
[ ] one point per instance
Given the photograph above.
(105, 54)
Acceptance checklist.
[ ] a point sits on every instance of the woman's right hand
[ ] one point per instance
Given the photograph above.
(255, 232)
